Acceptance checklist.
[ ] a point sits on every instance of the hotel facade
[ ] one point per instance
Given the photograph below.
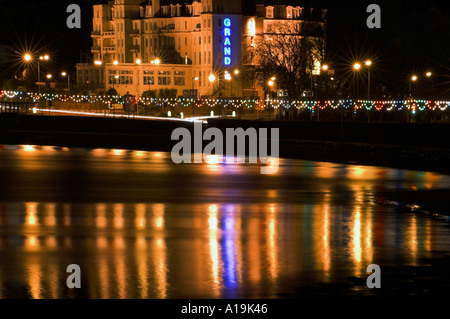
(152, 45)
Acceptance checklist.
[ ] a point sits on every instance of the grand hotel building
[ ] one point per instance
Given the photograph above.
(157, 44)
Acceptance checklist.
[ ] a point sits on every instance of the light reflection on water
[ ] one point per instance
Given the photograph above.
(248, 236)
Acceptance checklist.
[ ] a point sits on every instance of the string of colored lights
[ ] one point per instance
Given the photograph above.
(412, 105)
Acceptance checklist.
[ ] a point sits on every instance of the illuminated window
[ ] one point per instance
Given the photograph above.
(269, 12)
(251, 26)
(289, 12)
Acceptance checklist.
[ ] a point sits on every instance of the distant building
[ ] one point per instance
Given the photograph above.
(191, 39)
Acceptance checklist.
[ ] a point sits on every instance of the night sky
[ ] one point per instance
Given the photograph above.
(414, 36)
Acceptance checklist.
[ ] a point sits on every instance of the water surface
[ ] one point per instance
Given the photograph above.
(140, 226)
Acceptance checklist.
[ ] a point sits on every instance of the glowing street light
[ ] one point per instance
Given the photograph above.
(27, 57)
(325, 67)
(116, 77)
(97, 62)
(196, 78)
(429, 75)
(138, 61)
(270, 83)
(64, 74)
(212, 78)
(236, 72)
(116, 62)
(41, 58)
(356, 67)
(368, 64)
(49, 76)
(413, 79)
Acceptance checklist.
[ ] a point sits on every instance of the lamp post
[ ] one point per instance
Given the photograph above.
(138, 62)
(116, 77)
(368, 64)
(430, 76)
(41, 58)
(68, 81)
(156, 62)
(196, 78)
(325, 68)
(413, 79)
(270, 84)
(103, 77)
(27, 58)
(236, 74)
(212, 79)
(356, 67)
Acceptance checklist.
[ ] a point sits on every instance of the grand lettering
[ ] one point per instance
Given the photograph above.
(227, 42)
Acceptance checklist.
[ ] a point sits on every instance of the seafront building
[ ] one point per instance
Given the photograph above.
(184, 45)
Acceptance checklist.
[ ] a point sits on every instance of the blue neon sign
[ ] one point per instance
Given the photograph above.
(227, 42)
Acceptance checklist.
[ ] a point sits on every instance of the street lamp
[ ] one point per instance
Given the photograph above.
(41, 58)
(49, 76)
(64, 74)
(368, 64)
(212, 78)
(413, 79)
(270, 83)
(356, 67)
(236, 72)
(430, 76)
(138, 61)
(194, 79)
(325, 67)
(116, 62)
(116, 77)
(27, 57)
